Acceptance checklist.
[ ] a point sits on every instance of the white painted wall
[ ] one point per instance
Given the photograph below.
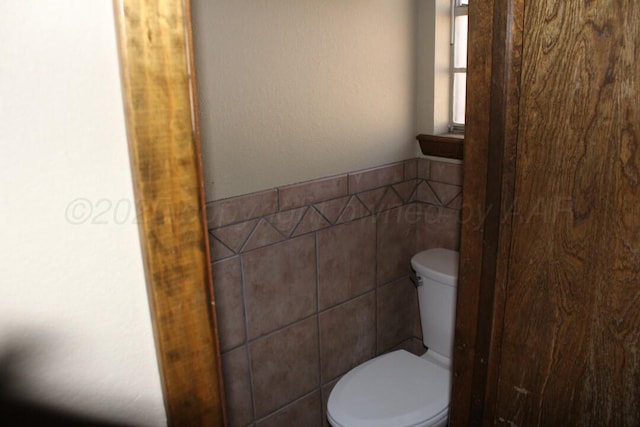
(292, 90)
(73, 304)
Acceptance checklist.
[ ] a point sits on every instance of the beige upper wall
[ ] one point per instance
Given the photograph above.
(292, 90)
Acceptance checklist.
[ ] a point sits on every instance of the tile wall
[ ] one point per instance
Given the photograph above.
(311, 280)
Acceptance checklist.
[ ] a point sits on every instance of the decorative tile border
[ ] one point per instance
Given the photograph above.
(242, 208)
(309, 192)
(251, 221)
(376, 177)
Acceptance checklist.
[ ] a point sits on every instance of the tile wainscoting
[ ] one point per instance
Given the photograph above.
(312, 279)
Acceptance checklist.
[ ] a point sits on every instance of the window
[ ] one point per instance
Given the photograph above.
(459, 30)
(441, 54)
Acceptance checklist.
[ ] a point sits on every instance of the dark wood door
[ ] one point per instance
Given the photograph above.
(557, 300)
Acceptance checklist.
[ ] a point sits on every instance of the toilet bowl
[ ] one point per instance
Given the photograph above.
(396, 389)
(400, 389)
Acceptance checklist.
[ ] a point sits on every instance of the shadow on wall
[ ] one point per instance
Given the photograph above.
(19, 411)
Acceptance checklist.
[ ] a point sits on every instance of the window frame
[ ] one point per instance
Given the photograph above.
(458, 8)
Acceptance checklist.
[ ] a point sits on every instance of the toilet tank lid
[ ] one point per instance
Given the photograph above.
(438, 264)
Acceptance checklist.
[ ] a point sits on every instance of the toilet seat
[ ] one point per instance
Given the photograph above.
(397, 389)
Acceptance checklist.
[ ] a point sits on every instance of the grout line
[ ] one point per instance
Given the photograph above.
(347, 301)
(251, 233)
(315, 206)
(404, 169)
(291, 403)
(377, 207)
(251, 395)
(348, 184)
(344, 208)
(317, 252)
(280, 328)
(375, 288)
(315, 236)
(212, 236)
(286, 239)
(359, 197)
(246, 337)
(445, 182)
(244, 299)
(234, 348)
(434, 193)
(414, 192)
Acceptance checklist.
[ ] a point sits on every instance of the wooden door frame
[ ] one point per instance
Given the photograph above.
(158, 85)
(159, 94)
(493, 82)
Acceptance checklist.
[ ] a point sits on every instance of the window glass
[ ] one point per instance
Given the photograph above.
(460, 41)
(459, 97)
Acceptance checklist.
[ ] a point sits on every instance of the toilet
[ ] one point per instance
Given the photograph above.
(400, 389)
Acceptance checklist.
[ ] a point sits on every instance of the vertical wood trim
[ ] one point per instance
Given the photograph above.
(505, 97)
(494, 63)
(473, 208)
(154, 41)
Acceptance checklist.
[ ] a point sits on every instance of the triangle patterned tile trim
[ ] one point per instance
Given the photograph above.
(311, 221)
(445, 192)
(390, 200)
(234, 236)
(425, 194)
(371, 199)
(285, 222)
(332, 209)
(264, 234)
(217, 249)
(456, 203)
(405, 189)
(355, 209)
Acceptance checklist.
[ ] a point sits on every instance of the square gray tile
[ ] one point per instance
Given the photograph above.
(285, 366)
(237, 387)
(396, 243)
(397, 309)
(347, 336)
(346, 261)
(280, 284)
(227, 282)
(306, 412)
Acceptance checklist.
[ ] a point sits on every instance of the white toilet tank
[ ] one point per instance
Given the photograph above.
(437, 280)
